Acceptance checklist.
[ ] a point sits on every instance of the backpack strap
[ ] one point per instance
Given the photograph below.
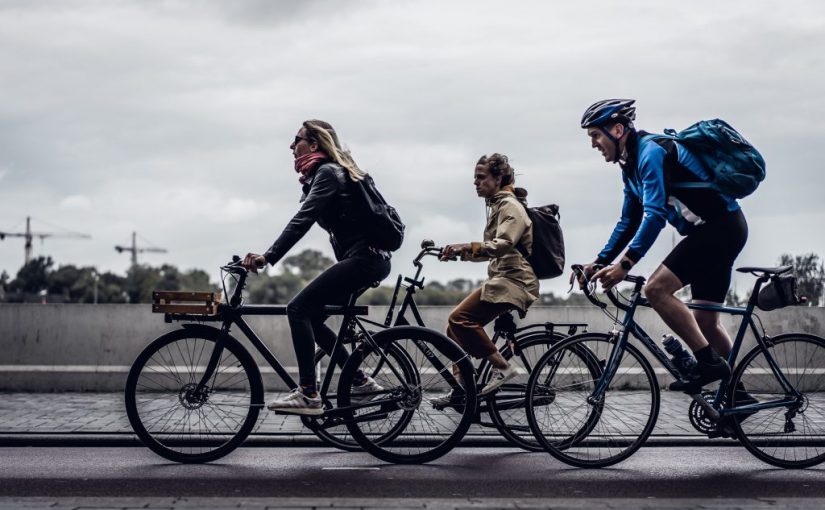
(521, 249)
(668, 141)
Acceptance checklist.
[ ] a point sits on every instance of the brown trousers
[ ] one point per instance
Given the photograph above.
(466, 324)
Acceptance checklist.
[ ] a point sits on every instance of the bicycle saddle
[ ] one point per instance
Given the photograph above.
(765, 270)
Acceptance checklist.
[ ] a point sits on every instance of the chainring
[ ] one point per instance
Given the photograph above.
(699, 418)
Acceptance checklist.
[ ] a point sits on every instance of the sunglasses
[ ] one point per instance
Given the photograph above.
(299, 138)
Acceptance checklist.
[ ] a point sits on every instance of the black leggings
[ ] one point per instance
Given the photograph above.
(332, 287)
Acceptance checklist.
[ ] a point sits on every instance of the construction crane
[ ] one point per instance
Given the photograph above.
(134, 250)
(28, 235)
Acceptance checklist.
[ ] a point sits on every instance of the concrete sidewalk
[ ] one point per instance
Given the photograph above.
(100, 419)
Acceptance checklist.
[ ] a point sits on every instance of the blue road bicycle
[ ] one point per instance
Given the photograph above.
(777, 410)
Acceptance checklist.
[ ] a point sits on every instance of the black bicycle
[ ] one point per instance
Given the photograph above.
(194, 394)
(522, 346)
(774, 402)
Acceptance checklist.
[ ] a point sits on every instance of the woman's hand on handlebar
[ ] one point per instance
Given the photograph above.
(253, 262)
(451, 251)
(610, 276)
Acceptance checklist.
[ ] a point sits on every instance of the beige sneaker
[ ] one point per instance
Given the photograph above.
(297, 403)
(498, 378)
(366, 392)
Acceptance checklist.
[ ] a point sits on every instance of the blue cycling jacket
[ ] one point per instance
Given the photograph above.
(654, 168)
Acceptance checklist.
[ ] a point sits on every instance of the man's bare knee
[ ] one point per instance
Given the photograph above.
(656, 291)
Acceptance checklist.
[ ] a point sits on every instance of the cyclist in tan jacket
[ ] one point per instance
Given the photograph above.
(511, 282)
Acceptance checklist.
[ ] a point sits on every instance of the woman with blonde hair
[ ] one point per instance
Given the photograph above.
(329, 177)
(511, 282)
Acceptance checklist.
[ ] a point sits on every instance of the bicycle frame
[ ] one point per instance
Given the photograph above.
(629, 326)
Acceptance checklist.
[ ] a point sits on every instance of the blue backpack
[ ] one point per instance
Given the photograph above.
(735, 166)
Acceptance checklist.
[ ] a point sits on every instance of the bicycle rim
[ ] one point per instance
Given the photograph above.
(170, 418)
(790, 436)
(590, 434)
(428, 431)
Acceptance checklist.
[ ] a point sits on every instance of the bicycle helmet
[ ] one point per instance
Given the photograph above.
(609, 110)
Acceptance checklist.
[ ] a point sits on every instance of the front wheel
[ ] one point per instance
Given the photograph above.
(176, 419)
(431, 409)
(791, 433)
(578, 428)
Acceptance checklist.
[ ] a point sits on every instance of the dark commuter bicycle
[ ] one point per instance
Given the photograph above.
(781, 421)
(194, 394)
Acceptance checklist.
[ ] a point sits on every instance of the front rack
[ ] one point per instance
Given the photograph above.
(186, 302)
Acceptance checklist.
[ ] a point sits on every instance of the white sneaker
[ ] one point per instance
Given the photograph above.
(498, 378)
(297, 403)
(365, 391)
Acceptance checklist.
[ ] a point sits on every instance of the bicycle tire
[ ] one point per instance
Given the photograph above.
(592, 434)
(507, 407)
(178, 425)
(773, 435)
(428, 432)
(338, 435)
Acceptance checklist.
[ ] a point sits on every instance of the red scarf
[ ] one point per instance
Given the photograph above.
(307, 163)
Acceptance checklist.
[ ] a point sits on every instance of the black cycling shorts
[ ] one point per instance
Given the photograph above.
(704, 259)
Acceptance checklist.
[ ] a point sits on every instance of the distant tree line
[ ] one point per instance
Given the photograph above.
(40, 281)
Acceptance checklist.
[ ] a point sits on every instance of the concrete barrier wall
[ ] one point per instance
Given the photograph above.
(69, 347)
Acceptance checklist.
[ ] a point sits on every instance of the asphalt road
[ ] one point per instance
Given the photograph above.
(697, 472)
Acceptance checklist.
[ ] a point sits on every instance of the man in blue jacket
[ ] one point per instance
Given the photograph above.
(713, 225)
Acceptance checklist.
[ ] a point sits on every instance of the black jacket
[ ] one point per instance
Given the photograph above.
(332, 200)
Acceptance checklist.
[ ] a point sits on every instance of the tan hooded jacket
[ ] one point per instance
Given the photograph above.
(510, 277)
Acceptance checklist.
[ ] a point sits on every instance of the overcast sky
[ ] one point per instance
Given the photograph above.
(173, 118)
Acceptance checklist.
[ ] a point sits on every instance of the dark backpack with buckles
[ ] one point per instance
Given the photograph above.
(547, 258)
(382, 224)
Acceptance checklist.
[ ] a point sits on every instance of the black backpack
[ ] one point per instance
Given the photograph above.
(382, 224)
(547, 258)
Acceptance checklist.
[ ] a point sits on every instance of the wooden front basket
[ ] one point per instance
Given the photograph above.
(196, 303)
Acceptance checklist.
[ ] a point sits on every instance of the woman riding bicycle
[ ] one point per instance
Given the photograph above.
(511, 282)
(329, 177)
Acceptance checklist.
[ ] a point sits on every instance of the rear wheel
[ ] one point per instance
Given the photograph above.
(506, 406)
(173, 418)
(412, 400)
(790, 435)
